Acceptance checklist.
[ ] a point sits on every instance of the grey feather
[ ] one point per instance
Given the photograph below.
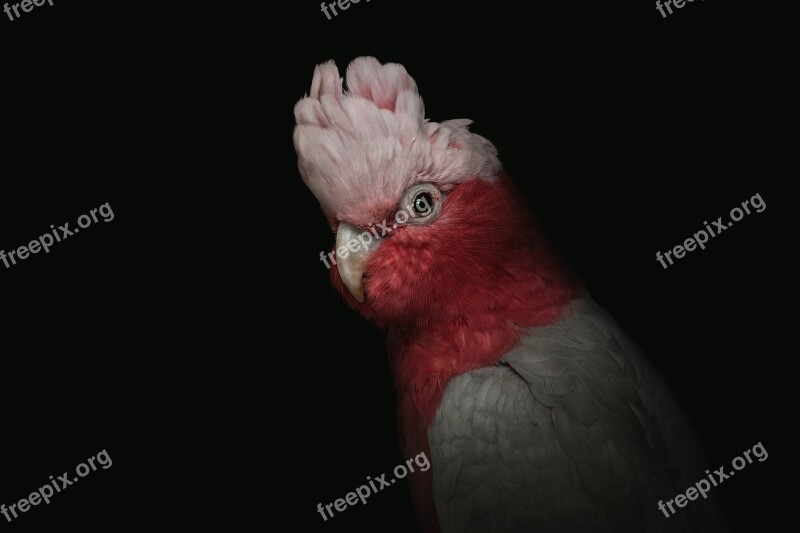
(572, 432)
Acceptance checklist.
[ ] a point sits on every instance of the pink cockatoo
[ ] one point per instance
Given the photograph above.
(537, 413)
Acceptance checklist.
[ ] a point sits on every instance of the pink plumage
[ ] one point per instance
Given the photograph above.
(359, 149)
(537, 413)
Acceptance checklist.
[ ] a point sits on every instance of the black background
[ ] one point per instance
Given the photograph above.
(196, 337)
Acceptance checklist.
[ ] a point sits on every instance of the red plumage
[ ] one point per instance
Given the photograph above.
(537, 412)
(454, 297)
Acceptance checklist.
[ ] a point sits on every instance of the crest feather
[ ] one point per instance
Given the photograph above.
(359, 149)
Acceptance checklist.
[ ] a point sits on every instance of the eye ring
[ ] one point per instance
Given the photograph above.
(422, 204)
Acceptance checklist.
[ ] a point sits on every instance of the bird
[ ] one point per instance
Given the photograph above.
(538, 413)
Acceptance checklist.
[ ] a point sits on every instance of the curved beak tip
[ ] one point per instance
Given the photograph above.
(351, 266)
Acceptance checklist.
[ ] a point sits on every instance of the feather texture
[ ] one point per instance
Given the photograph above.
(537, 413)
(359, 149)
(570, 432)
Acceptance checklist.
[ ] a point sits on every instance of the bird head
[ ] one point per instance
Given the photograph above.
(426, 222)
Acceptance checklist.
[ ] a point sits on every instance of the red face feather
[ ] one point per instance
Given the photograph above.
(454, 294)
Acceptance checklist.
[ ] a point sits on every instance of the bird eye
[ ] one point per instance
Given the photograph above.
(423, 203)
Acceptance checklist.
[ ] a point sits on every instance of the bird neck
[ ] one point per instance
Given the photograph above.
(520, 282)
(529, 286)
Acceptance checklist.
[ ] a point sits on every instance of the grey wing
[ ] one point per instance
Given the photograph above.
(571, 432)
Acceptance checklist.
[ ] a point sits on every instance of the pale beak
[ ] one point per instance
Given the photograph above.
(351, 268)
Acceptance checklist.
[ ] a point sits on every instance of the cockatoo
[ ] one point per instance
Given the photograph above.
(536, 411)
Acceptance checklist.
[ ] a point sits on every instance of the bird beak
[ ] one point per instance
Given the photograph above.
(351, 266)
